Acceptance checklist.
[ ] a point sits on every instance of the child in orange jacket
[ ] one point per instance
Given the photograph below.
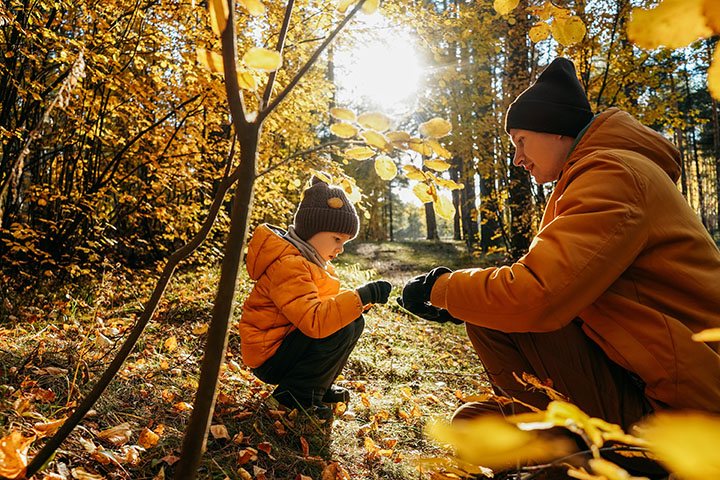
(298, 326)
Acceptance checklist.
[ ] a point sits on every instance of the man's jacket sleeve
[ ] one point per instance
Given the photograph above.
(298, 299)
(597, 230)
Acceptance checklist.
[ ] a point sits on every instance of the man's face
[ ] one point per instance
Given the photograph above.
(542, 154)
(329, 244)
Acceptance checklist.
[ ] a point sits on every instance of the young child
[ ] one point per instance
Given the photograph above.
(298, 326)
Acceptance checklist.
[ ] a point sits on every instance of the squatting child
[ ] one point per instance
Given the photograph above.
(298, 326)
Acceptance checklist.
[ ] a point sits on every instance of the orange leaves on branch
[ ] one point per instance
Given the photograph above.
(359, 153)
(539, 32)
(376, 139)
(343, 114)
(676, 24)
(437, 165)
(444, 207)
(568, 30)
(13, 454)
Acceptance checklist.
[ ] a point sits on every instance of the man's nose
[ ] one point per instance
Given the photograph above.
(517, 159)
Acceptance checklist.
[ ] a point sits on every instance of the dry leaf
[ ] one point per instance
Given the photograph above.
(219, 431)
(13, 454)
(171, 344)
(265, 447)
(148, 438)
(305, 447)
(81, 474)
(118, 435)
(49, 428)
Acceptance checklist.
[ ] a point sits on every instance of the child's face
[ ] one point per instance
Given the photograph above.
(329, 244)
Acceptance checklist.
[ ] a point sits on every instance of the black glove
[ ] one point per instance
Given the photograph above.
(416, 297)
(374, 292)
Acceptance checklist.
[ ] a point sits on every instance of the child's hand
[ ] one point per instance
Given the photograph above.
(374, 292)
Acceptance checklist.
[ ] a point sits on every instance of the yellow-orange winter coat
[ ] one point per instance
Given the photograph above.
(620, 248)
(291, 292)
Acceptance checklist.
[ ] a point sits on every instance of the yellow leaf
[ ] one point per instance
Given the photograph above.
(711, 12)
(170, 344)
(359, 153)
(370, 6)
(414, 173)
(539, 32)
(544, 12)
(376, 139)
(420, 146)
(210, 60)
(201, 328)
(452, 185)
(503, 7)
(343, 114)
(343, 5)
(343, 130)
(439, 150)
(246, 81)
(263, 59)
(385, 167)
(673, 23)
(708, 335)
(444, 207)
(254, 7)
(13, 454)
(492, 442)
(148, 438)
(437, 165)
(374, 121)
(218, 15)
(322, 176)
(568, 30)
(398, 137)
(713, 75)
(435, 128)
(421, 192)
(686, 443)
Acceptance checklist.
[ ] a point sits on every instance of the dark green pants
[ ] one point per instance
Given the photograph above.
(303, 368)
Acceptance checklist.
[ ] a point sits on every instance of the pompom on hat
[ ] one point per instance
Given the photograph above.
(325, 208)
(555, 103)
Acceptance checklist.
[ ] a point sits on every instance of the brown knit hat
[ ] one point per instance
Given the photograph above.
(555, 103)
(325, 208)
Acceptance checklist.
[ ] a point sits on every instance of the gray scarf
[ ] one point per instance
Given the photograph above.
(307, 250)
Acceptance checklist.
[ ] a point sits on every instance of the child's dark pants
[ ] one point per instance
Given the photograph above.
(303, 368)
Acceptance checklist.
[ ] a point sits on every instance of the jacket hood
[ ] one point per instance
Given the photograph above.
(265, 247)
(615, 129)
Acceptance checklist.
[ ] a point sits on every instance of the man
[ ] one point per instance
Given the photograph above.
(619, 276)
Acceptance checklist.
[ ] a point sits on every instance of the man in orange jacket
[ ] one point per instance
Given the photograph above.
(619, 277)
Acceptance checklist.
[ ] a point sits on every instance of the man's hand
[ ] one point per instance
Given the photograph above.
(374, 292)
(416, 297)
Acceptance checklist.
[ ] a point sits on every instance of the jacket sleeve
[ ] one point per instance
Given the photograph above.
(598, 229)
(296, 296)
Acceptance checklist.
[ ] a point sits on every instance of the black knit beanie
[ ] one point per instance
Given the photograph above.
(555, 103)
(325, 208)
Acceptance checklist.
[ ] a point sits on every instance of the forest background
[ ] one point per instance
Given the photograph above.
(114, 131)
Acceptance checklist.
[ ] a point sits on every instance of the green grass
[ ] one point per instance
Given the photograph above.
(403, 372)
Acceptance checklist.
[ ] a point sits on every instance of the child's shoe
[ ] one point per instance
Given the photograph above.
(336, 394)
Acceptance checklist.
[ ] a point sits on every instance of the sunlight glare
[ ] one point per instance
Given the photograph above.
(384, 72)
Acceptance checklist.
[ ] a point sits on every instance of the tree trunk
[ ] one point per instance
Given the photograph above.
(716, 154)
(430, 222)
(456, 198)
(516, 79)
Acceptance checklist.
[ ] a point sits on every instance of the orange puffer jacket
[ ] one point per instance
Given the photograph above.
(620, 248)
(290, 293)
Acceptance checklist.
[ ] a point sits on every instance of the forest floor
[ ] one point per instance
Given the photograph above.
(404, 373)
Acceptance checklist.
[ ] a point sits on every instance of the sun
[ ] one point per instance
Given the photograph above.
(381, 70)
